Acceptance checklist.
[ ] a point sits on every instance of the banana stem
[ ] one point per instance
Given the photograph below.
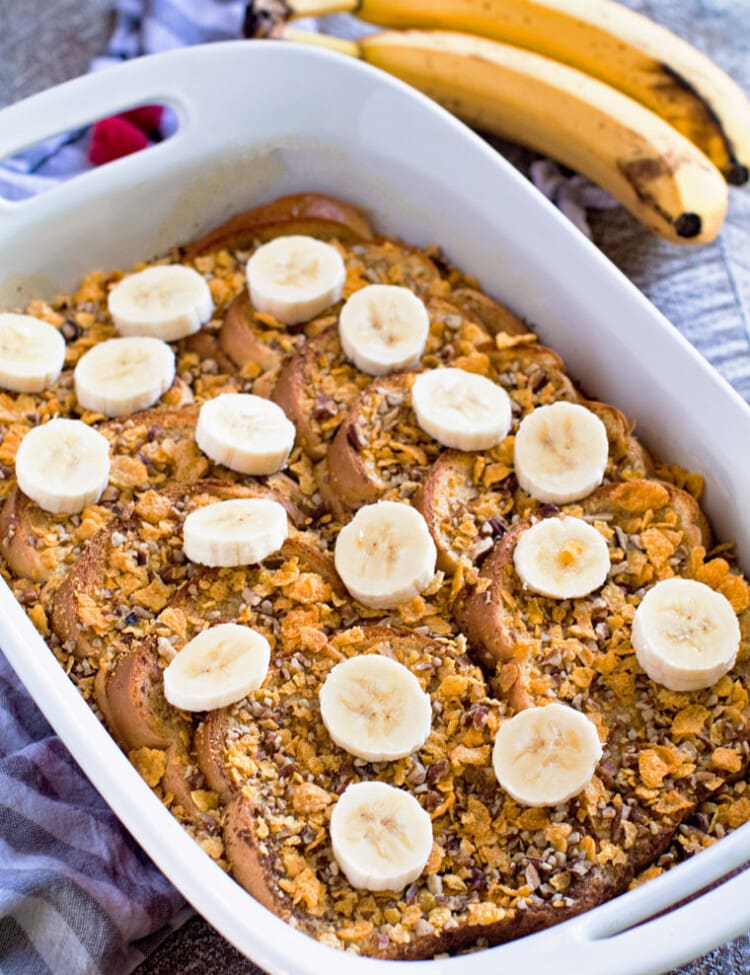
(286, 33)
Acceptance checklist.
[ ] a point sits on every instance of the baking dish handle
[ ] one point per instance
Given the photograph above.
(693, 926)
(75, 104)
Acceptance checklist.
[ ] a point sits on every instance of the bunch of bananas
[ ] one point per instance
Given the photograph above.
(591, 83)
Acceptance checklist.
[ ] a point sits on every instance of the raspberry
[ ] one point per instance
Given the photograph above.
(146, 117)
(113, 138)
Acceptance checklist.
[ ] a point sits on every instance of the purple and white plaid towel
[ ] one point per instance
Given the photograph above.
(77, 895)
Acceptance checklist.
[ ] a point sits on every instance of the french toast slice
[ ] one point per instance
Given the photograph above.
(319, 384)
(312, 214)
(495, 317)
(380, 450)
(129, 684)
(149, 449)
(470, 499)
(248, 336)
(664, 752)
(131, 568)
(481, 611)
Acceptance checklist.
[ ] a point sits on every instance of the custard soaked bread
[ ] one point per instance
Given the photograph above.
(414, 638)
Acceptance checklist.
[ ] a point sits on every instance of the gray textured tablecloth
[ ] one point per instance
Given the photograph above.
(705, 292)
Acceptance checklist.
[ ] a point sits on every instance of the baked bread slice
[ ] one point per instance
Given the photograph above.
(149, 449)
(495, 317)
(380, 450)
(470, 499)
(129, 685)
(303, 213)
(251, 337)
(319, 384)
(482, 609)
(131, 568)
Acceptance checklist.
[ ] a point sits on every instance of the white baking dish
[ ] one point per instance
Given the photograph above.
(260, 120)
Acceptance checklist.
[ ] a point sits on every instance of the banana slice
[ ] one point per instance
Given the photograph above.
(546, 755)
(385, 555)
(685, 634)
(121, 376)
(564, 558)
(167, 302)
(294, 278)
(242, 531)
(246, 433)
(63, 466)
(461, 409)
(383, 328)
(375, 708)
(560, 452)
(216, 668)
(32, 353)
(381, 836)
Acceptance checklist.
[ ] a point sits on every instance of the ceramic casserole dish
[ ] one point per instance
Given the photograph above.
(261, 120)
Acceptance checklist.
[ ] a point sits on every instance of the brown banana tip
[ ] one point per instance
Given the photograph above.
(738, 174)
(688, 225)
(261, 16)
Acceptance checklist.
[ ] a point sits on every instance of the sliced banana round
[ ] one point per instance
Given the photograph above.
(546, 755)
(381, 836)
(63, 465)
(246, 433)
(560, 452)
(241, 531)
(32, 353)
(294, 278)
(461, 409)
(375, 708)
(564, 558)
(385, 555)
(121, 376)
(383, 327)
(216, 668)
(168, 302)
(685, 634)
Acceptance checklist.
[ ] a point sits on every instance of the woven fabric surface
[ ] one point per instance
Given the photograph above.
(705, 292)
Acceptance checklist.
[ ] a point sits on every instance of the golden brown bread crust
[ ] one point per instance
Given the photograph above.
(303, 213)
(494, 316)
(243, 342)
(350, 478)
(243, 851)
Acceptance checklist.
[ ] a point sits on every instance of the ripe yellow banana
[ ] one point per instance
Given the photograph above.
(661, 177)
(600, 37)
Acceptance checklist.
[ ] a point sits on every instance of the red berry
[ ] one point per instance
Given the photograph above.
(146, 117)
(113, 138)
